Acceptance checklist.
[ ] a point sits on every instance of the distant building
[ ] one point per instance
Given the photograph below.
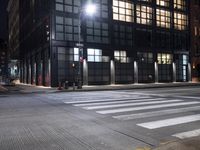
(3, 60)
(195, 39)
(13, 28)
(14, 38)
(126, 41)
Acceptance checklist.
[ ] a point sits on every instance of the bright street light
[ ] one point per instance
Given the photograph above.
(88, 10)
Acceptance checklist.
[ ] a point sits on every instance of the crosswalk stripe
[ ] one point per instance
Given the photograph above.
(112, 111)
(119, 102)
(189, 134)
(156, 113)
(170, 122)
(131, 104)
(104, 100)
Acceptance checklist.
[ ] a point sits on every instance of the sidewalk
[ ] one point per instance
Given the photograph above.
(187, 144)
(137, 86)
(25, 88)
(3, 89)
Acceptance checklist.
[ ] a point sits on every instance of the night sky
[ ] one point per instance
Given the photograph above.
(3, 19)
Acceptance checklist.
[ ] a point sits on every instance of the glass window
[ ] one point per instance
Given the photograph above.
(94, 55)
(97, 32)
(164, 58)
(163, 2)
(123, 11)
(59, 7)
(185, 59)
(145, 0)
(163, 18)
(180, 4)
(76, 54)
(120, 56)
(144, 14)
(180, 21)
(145, 57)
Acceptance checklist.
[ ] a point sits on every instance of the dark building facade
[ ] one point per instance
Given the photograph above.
(126, 41)
(195, 39)
(3, 60)
(13, 28)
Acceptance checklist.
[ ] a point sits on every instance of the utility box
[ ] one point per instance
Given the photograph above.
(66, 85)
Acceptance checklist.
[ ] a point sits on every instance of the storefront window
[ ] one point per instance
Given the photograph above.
(120, 56)
(164, 58)
(94, 55)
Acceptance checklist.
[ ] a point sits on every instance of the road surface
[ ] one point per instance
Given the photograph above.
(99, 120)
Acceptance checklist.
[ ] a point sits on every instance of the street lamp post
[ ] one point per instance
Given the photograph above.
(89, 10)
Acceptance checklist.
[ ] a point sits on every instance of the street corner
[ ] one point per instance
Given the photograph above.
(143, 148)
(187, 144)
(3, 89)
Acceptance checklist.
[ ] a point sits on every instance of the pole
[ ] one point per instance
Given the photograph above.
(80, 52)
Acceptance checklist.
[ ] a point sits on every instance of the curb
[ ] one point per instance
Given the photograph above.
(112, 88)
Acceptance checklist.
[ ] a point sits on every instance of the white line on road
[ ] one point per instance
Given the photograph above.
(189, 134)
(112, 111)
(170, 122)
(119, 102)
(188, 97)
(103, 100)
(156, 113)
(130, 104)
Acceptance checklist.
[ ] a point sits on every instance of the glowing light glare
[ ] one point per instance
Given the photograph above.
(90, 9)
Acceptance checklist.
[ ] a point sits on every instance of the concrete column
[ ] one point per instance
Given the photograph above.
(112, 72)
(156, 72)
(85, 72)
(135, 72)
(174, 71)
(189, 73)
(49, 68)
(29, 73)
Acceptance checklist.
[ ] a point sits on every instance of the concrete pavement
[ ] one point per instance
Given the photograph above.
(60, 121)
(26, 88)
(187, 144)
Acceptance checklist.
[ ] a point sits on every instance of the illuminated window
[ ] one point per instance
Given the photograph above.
(180, 21)
(145, 0)
(163, 2)
(144, 14)
(195, 31)
(76, 54)
(94, 55)
(120, 56)
(163, 18)
(164, 58)
(180, 4)
(123, 11)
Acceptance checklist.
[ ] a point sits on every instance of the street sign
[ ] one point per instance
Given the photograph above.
(79, 45)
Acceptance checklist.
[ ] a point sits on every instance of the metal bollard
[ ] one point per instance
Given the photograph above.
(59, 87)
(74, 87)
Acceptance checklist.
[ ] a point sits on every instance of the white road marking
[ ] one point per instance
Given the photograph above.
(112, 111)
(188, 134)
(170, 122)
(119, 102)
(102, 100)
(130, 104)
(189, 97)
(156, 113)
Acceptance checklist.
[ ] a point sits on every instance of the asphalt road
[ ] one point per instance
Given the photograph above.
(102, 120)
